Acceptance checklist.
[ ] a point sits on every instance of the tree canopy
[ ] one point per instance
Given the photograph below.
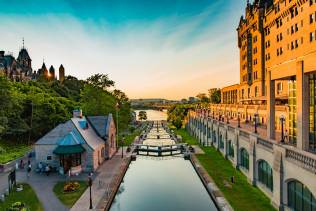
(28, 110)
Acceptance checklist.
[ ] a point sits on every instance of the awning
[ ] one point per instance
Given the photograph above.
(71, 149)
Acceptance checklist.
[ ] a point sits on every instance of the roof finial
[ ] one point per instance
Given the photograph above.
(248, 2)
(23, 42)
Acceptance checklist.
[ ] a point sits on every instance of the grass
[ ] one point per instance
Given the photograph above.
(69, 199)
(27, 196)
(12, 151)
(130, 137)
(241, 195)
(186, 137)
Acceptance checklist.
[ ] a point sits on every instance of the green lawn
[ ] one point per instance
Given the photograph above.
(69, 199)
(12, 151)
(186, 137)
(130, 137)
(27, 196)
(241, 195)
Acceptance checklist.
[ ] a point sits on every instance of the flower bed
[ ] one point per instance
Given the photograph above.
(70, 187)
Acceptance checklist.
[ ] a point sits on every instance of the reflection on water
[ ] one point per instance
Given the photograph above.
(162, 183)
(153, 115)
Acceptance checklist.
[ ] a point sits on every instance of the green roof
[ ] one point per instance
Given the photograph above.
(71, 149)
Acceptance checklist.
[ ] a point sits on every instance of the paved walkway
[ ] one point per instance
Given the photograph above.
(105, 175)
(43, 186)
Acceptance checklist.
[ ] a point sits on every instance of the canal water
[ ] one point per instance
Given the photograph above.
(167, 183)
(162, 183)
(154, 115)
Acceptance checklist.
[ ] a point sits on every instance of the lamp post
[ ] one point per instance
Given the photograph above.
(255, 119)
(122, 144)
(90, 184)
(282, 120)
(238, 119)
(117, 129)
(227, 117)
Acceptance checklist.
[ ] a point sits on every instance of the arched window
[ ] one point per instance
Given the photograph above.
(230, 149)
(214, 136)
(265, 175)
(244, 159)
(299, 197)
(221, 142)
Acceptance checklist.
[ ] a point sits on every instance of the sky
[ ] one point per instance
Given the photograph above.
(168, 49)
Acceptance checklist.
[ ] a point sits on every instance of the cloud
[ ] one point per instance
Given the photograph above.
(171, 56)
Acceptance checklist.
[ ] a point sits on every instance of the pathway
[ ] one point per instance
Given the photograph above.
(43, 186)
(105, 176)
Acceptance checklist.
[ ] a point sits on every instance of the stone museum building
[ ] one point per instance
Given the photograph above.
(80, 144)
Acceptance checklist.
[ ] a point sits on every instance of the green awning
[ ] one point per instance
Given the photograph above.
(70, 149)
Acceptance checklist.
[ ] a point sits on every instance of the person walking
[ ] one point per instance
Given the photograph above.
(286, 136)
(29, 169)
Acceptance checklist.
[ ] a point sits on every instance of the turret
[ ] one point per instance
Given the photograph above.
(51, 72)
(61, 73)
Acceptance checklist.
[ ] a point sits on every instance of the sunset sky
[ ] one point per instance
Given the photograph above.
(152, 49)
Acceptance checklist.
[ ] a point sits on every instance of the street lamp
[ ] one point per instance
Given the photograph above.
(123, 138)
(117, 129)
(282, 120)
(90, 184)
(227, 117)
(255, 119)
(238, 119)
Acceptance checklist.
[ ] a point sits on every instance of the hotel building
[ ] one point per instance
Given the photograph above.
(277, 41)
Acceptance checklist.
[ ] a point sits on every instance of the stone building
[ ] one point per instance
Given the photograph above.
(253, 45)
(20, 69)
(80, 144)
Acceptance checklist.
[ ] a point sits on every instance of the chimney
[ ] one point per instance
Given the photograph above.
(1, 54)
(77, 113)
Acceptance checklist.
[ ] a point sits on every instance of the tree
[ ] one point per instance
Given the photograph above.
(142, 115)
(216, 97)
(203, 98)
(100, 80)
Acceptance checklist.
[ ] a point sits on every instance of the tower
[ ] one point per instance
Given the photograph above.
(51, 73)
(24, 60)
(61, 73)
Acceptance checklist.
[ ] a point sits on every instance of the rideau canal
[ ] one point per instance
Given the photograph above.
(161, 183)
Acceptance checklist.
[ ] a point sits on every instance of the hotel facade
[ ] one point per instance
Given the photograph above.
(277, 42)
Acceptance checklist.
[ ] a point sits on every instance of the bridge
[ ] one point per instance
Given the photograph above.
(164, 150)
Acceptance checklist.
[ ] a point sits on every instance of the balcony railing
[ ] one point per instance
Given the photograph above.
(305, 161)
(244, 134)
(265, 143)
(231, 129)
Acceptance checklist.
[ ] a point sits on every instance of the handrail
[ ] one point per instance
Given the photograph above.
(244, 134)
(265, 143)
(305, 161)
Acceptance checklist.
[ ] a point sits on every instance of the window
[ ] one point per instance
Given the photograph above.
(221, 142)
(299, 197)
(244, 159)
(311, 18)
(49, 157)
(256, 91)
(265, 175)
(230, 149)
(311, 36)
(279, 88)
